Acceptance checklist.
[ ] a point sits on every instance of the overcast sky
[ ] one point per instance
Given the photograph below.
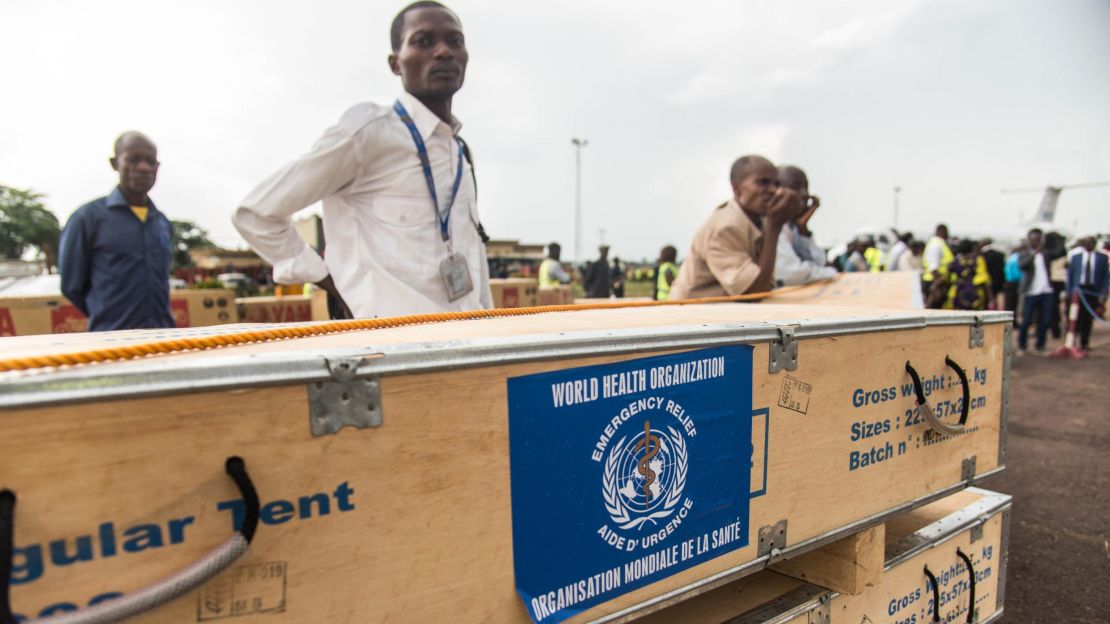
(950, 99)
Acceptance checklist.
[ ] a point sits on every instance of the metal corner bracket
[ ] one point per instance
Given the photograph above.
(821, 614)
(345, 400)
(772, 540)
(784, 351)
(977, 530)
(967, 469)
(976, 334)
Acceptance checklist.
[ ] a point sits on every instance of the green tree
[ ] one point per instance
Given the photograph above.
(187, 236)
(27, 225)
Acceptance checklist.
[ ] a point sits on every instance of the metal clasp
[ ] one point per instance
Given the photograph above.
(784, 351)
(345, 400)
(976, 334)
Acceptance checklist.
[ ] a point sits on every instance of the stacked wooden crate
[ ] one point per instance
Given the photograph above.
(588, 465)
(950, 553)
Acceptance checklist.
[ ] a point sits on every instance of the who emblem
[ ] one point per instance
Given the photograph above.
(644, 477)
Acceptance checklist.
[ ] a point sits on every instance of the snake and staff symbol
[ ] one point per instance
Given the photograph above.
(650, 445)
(644, 477)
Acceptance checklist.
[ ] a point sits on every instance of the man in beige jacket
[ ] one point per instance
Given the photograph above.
(728, 255)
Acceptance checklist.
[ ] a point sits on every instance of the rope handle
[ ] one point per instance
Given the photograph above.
(926, 409)
(153, 596)
(971, 588)
(936, 593)
(114, 354)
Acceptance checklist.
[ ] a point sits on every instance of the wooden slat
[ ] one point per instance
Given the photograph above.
(850, 565)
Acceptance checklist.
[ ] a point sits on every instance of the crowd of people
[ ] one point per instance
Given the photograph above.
(399, 194)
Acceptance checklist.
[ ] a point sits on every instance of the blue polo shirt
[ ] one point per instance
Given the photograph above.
(115, 268)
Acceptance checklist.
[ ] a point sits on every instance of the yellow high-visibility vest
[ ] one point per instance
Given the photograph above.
(661, 285)
(874, 259)
(546, 279)
(946, 258)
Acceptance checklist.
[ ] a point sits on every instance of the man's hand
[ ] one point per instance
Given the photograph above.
(785, 206)
(807, 212)
(328, 285)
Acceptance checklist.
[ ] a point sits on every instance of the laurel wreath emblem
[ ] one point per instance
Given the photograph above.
(610, 492)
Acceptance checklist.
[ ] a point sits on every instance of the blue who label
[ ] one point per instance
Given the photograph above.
(624, 474)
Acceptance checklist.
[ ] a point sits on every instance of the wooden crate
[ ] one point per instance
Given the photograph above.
(898, 289)
(413, 520)
(54, 314)
(974, 522)
(555, 295)
(514, 292)
(285, 309)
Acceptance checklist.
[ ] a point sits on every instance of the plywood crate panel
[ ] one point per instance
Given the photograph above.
(54, 314)
(412, 520)
(974, 522)
(284, 309)
(514, 292)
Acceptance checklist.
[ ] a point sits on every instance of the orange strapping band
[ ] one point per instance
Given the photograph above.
(114, 354)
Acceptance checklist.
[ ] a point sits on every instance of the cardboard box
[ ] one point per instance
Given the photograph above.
(975, 523)
(54, 314)
(592, 463)
(287, 309)
(555, 295)
(514, 292)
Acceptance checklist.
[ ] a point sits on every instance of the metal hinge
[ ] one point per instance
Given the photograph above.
(977, 531)
(772, 539)
(976, 334)
(345, 401)
(967, 469)
(784, 351)
(821, 614)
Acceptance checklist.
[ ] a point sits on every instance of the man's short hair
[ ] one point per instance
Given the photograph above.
(398, 25)
(743, 164)
(794, 175)
(1037, 231)
(124, 137)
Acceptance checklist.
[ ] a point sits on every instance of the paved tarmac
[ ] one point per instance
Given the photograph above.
(1058, 471)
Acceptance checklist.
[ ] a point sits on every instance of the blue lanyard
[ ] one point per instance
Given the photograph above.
(444, 218)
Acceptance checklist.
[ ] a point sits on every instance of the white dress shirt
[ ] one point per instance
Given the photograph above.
(1040, 284)
(799, 260)
(383, 242)
(895, 255)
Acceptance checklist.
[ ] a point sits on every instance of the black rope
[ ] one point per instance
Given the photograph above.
(7, 530)
(936, 594)
(917, 389)
(474, 178)
(971, 592)
(963, 382)
(237, 470)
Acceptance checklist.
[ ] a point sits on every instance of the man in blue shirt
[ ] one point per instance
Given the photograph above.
(115, 251)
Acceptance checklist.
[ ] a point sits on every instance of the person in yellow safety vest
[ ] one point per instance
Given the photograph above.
(665, 274)
(551, 270)
(938, 255)
(872, 256)
(934, 262)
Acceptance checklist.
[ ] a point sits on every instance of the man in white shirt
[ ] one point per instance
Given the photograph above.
(1036, 291)
(397, 187)
(901, 247)
(800, 260)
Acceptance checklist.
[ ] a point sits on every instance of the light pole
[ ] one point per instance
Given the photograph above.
(578, 145)
(897, 190)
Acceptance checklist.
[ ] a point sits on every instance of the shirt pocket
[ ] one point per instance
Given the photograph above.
(405, 235)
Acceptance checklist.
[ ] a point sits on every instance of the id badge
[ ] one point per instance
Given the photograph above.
(456, 276)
